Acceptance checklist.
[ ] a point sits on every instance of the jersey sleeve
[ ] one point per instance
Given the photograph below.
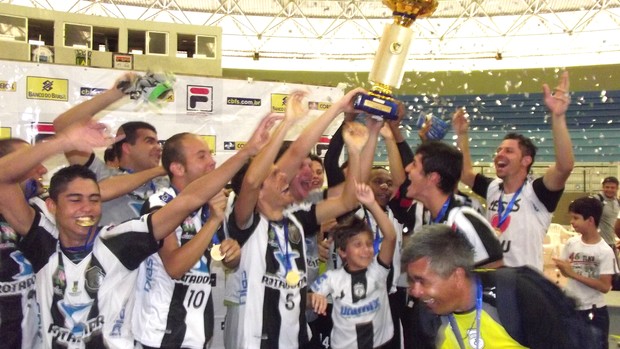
(307, 217)
(40, 242)
(241, 235)
(479, 232)
(481, 185)
(548, 198)
(322, 285)
(131, 241)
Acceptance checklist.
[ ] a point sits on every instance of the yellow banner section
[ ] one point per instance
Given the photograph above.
(210, 139)
(50, 89)
(5, 132)
(278, 102)
(8, 86)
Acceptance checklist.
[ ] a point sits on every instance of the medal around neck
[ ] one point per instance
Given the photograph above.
(292, 277)
(216, 254)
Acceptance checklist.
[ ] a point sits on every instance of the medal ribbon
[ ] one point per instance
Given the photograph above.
(503, 215)
(287, 261)
(377, 241)
(455, 326)
(443, 211)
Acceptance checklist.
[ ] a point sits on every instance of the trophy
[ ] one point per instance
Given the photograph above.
(387, 70)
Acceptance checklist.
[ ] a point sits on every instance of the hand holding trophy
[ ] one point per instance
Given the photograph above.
(387, 70)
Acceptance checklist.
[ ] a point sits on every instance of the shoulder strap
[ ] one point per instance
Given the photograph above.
(510, 316)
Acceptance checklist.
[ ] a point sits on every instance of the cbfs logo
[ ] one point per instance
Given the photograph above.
(199, 98)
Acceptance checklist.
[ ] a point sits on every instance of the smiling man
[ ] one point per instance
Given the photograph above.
(487, 308)
(518, 207)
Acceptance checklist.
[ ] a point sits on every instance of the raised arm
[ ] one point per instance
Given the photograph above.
(291, 160)
(557, 103)
(115, 186)
(177, 258)
(367, 155)
(14, 166)
(197, 193)
(355, 136)
(460, 124)
(365, 195)
(85, 111)
(397, 170)
(261, 165)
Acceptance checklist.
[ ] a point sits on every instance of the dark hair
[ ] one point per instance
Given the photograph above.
(173, 151)
(61, 179)
(7, 145)
(314, 157)
(348, 228)
(109, 155)
(587, 207)
(130, 130)
(444, 159)
(610, 179)
(525, 144)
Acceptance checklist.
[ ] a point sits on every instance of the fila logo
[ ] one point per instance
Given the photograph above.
(199, 98)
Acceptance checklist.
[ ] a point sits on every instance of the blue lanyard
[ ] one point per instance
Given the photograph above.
(204, 214)
(443, 211)
(376, 244)
(88, 246)
(287, 261)
(455, 326)
(503, 215)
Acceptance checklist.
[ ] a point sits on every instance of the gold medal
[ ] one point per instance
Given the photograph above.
(216, 254)
(85, 221)
(292, 277)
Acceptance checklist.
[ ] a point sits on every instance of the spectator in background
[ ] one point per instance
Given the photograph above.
(110, 158)
(611, 208)
(588, 263)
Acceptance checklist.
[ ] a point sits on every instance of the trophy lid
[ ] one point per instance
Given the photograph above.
(413, 8)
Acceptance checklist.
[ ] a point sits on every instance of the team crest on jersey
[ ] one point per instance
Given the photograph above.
(293, 233)
(359, 291)
(94, 275)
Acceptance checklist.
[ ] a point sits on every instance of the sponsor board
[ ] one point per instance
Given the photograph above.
(49, 89)
(8, 86)
(5, 132)
(210, 139)
(91, 91)
(199, 98)
(233, 145)
(248, 102)
(278, 102)
(314, 105)
(41, 131)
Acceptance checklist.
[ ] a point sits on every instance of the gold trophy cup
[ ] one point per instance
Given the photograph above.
(387, 69)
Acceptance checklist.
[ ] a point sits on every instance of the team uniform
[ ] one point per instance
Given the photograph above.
(86, 297)
(272, 315)
(172, 313)
(523, 231)
(361, 312)
(127, 206)
(592, 261)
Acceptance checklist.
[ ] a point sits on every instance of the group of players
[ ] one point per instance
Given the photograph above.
(119, 257)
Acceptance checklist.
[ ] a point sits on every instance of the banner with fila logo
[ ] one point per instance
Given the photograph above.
(224, 111)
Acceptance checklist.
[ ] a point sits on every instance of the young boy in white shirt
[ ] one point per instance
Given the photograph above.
(588, 263)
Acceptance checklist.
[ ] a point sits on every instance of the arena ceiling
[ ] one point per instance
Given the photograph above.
(344, 35)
